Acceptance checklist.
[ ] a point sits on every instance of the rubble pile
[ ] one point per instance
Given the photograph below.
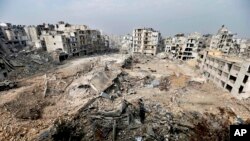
(27, 63)
(140, 120)
(108, 98)
(140, 58)
(29, 103)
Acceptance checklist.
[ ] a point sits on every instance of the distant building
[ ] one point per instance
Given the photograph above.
(168, 43)
(147, 41)
(33, 36)
(115, 41)
(244, 47)
(223, 40)
(226, 40)
(127, 43)
(14, 35)
(73, 39)
(190, 49)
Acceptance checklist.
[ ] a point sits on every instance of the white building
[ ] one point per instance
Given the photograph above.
(147, 41)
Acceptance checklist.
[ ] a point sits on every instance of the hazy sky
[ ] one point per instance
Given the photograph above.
(121, 16)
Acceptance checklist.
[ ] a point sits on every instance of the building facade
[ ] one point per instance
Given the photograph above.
(57, 42)
(229, 73)
(14, 35)
(147, 41)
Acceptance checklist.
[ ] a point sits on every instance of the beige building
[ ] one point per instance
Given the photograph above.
(147, 41)
(57, 42)
(74, 39)
(229, 73)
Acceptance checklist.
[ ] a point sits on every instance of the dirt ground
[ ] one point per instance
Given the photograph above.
(62, 104)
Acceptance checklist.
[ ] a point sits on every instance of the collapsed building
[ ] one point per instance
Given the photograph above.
(173, 45)
(13, 36)
(187, 47)
(190, 48)
(147, 41)
(244, 47)
(226, 40)
(75, 39)
(68, 38)
(229, 73)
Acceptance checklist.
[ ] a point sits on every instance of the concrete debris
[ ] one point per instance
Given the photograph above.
(102, 80)
(164, 84)
(117, 97)
(105, 95)
(6, 85)
(138, 138)
(162, 55)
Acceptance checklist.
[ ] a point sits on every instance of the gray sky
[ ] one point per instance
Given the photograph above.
(121, 16)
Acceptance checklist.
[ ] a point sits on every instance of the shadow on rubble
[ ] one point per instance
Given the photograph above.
(133, 121)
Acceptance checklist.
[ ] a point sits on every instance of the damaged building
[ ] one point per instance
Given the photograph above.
(75, 39)
(127, 43)
(147, 41)
(14, 36)
(173, 45)
(190, 49)
(223, 40)
(56, 42)
(228, 72)
(33, 37)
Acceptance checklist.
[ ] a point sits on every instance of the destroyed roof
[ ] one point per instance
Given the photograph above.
(227, 58)
(230, 59)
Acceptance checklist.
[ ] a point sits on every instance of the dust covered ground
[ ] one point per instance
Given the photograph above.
(119, 97)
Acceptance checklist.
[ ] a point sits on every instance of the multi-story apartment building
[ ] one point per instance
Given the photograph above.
(168, 43)
(229, 73)
(74, 39)
(190, 49)
(147, 41)
(226, 40)
(14, 35)
(223, 40)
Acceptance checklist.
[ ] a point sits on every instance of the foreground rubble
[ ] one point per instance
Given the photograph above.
(119, 97)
